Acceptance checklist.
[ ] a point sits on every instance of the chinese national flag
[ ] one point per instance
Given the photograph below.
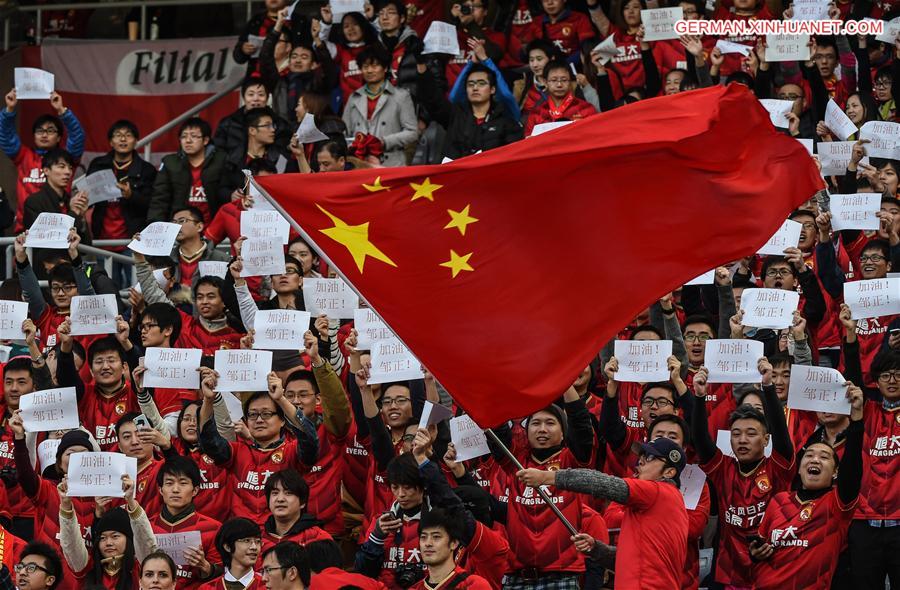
(507, 271)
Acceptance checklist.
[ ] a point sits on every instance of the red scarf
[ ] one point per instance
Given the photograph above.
(557, 112)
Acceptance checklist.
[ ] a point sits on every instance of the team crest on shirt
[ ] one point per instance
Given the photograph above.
(806, 513)
(566, 31)
(141, 486)
(762, 482)
(277, 456)
(120, 408)
(897, 417)
(206, 459)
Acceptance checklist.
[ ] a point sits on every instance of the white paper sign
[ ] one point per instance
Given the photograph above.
(262, 256)
(873, 298)
(174, 544)
(161, 279)
(856, 211)
(659, 23)
(5, 351)
(157, 239)
(339, 7)
(607, 49)
(726, 47)
(723, 442)
(234, 406)
(818, 389)
(99, 186)
(542, 128)
(280, 329)
(392, 361)
(778, 110)
(33, 84)
(441, 38)
(692, 479)
(787, 236)
(213, 268)
(46, 453)
(50, 230)
(808, 144)
(99, 474)
(50, 409)
(834, 156)
(883, 137)
(243, 370)
(264, 224)
(93, 314)
(733, 361)
(890, 31)
(307, 132)
(333, 297)
(642, 361)
(370, 328)
(707, 278)
(468, 438)
(12, 315)
(838, 121)
(174, 368)
(769, 308)
(809, 10)
(434, 414)
(257, 41)
(784, 47)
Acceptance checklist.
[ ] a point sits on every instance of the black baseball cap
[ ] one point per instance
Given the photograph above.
(666, 449)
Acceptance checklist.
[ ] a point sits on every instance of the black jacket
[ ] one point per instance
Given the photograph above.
(47, 201)
(299, 31)
(140, 176)
(173, 184)
(231, 134)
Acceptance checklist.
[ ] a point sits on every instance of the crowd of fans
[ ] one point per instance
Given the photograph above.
(328, 482)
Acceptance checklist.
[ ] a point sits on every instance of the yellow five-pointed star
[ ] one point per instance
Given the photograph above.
(458, 263)
(356, 239)
(460, 219)
(425, 190)
(374, 188)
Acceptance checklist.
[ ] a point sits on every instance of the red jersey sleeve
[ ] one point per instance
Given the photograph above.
(583, 28)
(642, 494)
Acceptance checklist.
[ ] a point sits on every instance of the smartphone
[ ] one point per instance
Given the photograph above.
(824, 200)
(141, 422)
(755, 539)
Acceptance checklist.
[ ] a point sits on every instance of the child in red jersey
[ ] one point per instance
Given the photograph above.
(747, 482)
(239, 544)
(804, 531)
(440, 532)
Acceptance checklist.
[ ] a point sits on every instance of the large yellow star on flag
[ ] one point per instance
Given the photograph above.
(356, 239)
(458, 263)
(425, 190)
(460, 219)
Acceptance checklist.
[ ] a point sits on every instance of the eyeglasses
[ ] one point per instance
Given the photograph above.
(29, 568)
(659, 402)
(691, 337)
(183, 220)
(290, 271)
(46, 131)
(477, 83)
(254, 416)
(267, 571)
(148, 326)
(778, 272)
(872, 258)
(193, 136)
(266, 126)
(889, 376)
(123, 135)
(882, 83)
(388, 13)
(62, 288)
(790, 96)
(560, 81)
(251, 541)
(397, 401)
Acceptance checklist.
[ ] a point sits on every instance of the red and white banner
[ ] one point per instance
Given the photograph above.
(147, 82)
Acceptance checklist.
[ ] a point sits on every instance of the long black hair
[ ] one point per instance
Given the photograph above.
(114, 520)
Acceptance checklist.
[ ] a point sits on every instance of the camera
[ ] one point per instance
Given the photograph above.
(408, 574)
(465, 9)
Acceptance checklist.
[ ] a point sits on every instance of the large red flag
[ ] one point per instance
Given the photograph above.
(507, 271)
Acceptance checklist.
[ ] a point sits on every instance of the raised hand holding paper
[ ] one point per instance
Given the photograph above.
(99, 474)
(280, 329)
(213, 268)
(99, 186)
(769, 308)
(607, 49)
(174, 544)
(50, 230)
(441, 38)
(307, 132)
(834, 156)
(392, 361)
(157, 239)
(778, 110)
(468, 438)
(883, 138)
(333, 297)
(243, 370)
(730, 47)
(733, 361)
(818, 389)
(370, 328)
(856, 211)
(12, 316)
(787, 236)
(33, 84)
(787, 48)
(434, 414)
(642, 361)
(264, 224)
(659, 23)
(873, 298)
(838, 121)
(692, 479)
(50, 409)
(262, 256)
(93, 314)
(175, 368)
(809, 10)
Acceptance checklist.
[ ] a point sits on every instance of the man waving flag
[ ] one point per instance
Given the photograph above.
(507, 271)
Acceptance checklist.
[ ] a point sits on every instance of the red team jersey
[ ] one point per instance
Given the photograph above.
(324, 479)
(880, 496)
(188, 578)
(567, 32)
(99, 413)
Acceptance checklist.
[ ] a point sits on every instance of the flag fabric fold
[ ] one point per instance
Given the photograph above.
(507, 271)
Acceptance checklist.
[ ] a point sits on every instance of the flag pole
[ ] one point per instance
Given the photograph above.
(489, 432)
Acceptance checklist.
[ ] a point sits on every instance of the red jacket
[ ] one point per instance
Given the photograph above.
(466, 580)
(195, 335)
(303, 532)
(189, 577)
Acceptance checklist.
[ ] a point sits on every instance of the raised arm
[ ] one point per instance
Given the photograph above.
(703, 442)
(211, 442)
(850, 473)
(583, 481)
(580, 436)
(31, 289)
(70, 540)
(335, 406)
(781, 438)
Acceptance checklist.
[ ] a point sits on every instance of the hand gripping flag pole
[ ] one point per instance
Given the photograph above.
(489, 432)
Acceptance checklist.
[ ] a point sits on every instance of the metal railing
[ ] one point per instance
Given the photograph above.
(142, 4)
